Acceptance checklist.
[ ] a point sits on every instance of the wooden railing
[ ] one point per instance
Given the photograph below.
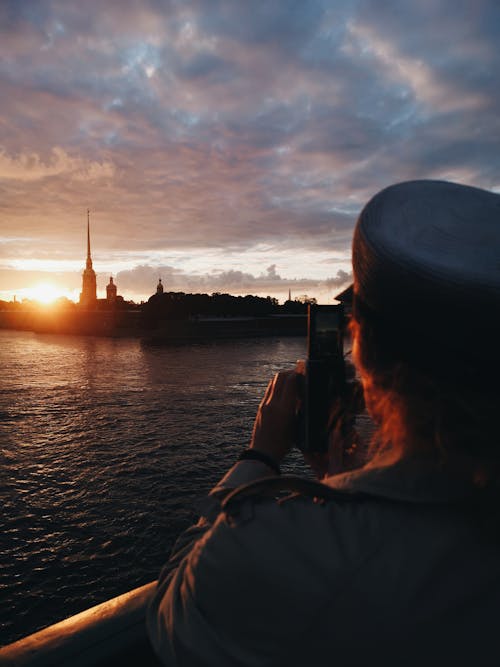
(111, 633)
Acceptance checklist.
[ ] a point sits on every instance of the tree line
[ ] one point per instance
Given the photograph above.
(179, 305)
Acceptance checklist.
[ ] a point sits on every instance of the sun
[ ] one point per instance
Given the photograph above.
(45, 293)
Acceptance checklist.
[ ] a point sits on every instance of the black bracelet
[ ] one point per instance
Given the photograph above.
(255, 455)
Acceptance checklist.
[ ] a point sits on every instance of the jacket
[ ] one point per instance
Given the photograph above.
(394, 565)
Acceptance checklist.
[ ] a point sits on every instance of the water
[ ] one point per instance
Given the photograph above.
(105, 447)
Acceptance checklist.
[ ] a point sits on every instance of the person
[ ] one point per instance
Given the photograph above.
(397, 562)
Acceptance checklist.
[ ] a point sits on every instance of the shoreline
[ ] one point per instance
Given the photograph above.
(131, 324)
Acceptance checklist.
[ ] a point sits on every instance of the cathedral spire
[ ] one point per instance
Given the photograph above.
(89, 258)
(88, 295)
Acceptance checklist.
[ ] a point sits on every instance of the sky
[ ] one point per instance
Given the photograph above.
(225, 145)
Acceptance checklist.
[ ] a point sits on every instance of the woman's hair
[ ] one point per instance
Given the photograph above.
(421, 409)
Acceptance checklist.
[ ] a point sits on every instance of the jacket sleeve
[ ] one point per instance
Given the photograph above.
(241, 473)
(240, 590)
(184, 548)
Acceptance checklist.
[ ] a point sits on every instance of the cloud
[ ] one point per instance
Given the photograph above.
(413, 74)
(342, 279)
(221, 128)
(139, 283)
(30, 167)
(143, 279)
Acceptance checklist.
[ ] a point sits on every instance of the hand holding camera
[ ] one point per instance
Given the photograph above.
(312, 407)
(275, 429)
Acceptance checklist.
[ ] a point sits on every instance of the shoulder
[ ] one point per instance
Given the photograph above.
(287, 499)
(285, 488)
(334, 530)
(291, 518)
(270, 554)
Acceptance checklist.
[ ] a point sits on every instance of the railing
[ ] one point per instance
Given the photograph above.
(110, 633)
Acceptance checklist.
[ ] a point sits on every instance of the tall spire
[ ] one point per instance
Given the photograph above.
(88, 295)
(89, 259)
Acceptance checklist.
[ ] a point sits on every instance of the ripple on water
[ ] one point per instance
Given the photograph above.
(106, 448)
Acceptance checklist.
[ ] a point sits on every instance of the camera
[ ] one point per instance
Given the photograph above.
(324, 385)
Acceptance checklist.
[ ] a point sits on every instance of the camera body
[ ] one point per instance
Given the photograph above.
(324, 375)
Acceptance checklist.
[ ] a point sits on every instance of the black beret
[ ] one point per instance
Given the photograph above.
(426, 263)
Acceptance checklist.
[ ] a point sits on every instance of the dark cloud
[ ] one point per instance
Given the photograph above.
(16, 15)
(208, 67)
(263, 22)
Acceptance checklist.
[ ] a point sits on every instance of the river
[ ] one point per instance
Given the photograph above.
(105, 448)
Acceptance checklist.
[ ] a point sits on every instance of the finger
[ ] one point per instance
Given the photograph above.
(300, 367)
(286, 379)
(267, 392)
(283, 387)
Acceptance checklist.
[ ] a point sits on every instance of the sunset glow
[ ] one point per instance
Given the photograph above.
(45, 293)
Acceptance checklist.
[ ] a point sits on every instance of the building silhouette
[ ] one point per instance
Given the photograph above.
(159, 287)
(88, 295)
(111, 291)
